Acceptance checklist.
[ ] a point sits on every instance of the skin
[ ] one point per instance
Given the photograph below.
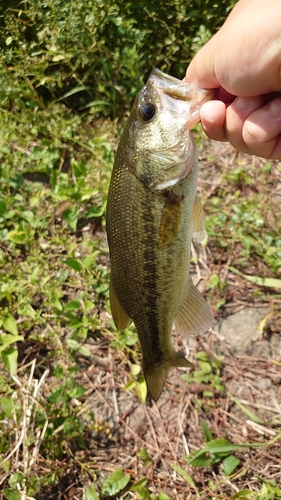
(150, 221)
(243, 63)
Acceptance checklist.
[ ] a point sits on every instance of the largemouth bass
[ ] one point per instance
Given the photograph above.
(152, 213)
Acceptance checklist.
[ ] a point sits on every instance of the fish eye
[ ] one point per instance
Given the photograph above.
(147, 111)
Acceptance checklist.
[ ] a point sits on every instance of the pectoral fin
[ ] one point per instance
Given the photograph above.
(198, 221)
(194, 315)
(120, 317)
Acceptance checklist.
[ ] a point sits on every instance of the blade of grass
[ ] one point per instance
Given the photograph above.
(220, 447)
(257, 280)
(71, 92)
(184, 474)
(247, 411)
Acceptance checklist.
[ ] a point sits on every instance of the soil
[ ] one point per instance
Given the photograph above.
(246, 338)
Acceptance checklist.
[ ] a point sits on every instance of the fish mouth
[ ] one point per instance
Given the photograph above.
(178, 96)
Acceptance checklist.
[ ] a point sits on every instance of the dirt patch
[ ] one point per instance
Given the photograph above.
(148, 440)
(171, 429)
(243, 328)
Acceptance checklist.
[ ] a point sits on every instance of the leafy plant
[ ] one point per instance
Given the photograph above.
(137, 381)
(269, 490)
(218, 450)
(215, 451)
(93, 56)
(250, 222)
(208, 374)
(67, 70)
(115, 483)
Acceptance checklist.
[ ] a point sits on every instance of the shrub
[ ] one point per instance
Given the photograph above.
(95, 54)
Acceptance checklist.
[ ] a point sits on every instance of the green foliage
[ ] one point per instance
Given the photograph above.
(16, 482)
(8, 352)
(63, 67)
(53, 279)
(218, 450)
(269, 490)
(247, 218)
(257, 280)
(48, 194)
(208, 373)
(184, 475)
(93, 55)
(118, 482)
(215, 451)
(91, 493)
(115, 483)
(137, 382)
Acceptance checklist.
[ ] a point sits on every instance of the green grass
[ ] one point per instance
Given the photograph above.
(58, 102)
(54, 289)
(250, 214)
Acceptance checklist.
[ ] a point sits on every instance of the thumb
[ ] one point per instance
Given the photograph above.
(201, 70)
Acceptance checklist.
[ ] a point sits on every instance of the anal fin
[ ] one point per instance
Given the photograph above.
(194, 315)
(120, 317)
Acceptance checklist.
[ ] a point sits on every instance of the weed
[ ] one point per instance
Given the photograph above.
(93, 56)
(67, 70)
(251, 222)
(208, 374)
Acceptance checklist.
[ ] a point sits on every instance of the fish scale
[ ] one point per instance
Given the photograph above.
(151, 214)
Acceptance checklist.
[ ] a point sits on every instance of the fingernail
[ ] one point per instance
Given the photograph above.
(243, 102)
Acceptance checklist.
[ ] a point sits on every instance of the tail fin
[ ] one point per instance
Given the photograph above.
(156, 376)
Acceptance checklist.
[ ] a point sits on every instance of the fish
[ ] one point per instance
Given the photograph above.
(152, 214)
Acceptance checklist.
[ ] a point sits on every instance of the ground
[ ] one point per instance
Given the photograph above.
(233, 393)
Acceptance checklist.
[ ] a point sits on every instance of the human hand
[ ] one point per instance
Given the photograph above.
(243, 62)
